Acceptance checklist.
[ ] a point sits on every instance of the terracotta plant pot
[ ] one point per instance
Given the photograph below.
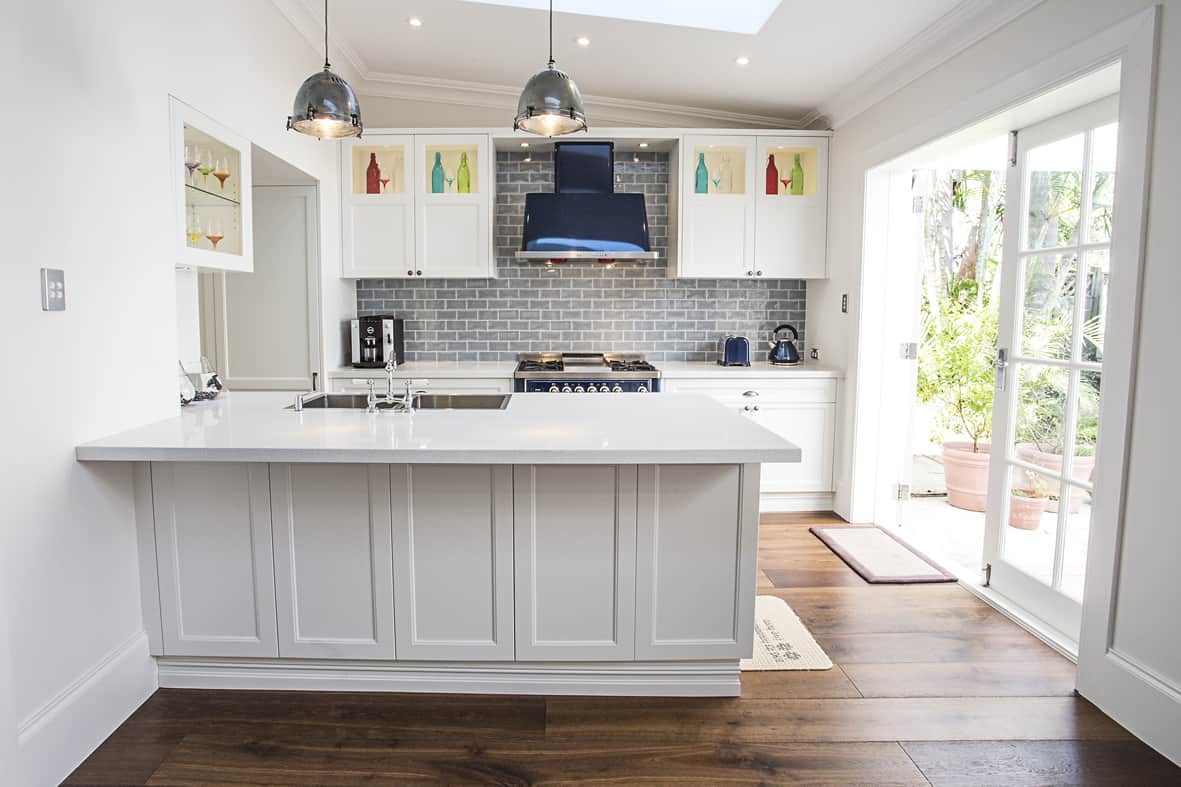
(1080, 470)
(966, 474)
(1025, 513)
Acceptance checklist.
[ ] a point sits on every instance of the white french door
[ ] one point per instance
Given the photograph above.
(1058, 211)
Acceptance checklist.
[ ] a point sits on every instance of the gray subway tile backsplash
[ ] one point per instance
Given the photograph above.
(585, 306)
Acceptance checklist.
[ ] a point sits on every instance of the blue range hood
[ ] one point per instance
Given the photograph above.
(584, 218)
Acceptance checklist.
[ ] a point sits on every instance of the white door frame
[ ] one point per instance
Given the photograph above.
(1139, 700)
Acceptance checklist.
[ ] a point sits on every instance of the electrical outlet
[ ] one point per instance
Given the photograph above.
(815, 353)
(844, 303)
(53, 290)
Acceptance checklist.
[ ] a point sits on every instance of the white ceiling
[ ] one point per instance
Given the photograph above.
(806, 53)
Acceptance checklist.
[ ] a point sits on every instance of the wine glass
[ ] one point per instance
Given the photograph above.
(221, 171)
(193, 229)
(205, 164)
(450, 178)
(213, 232)
(191, 155)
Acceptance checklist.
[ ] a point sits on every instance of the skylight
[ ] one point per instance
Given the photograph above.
(746, 17)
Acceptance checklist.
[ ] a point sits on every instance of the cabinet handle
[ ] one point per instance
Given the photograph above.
(315, 381)
(750, 393)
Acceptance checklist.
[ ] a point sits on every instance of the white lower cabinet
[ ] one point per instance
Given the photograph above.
(575, 562)
(213, 557)
(696, 537)
(453, 561)
(333, 584)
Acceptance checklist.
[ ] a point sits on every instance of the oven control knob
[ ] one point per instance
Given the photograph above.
(579, 389)
(642, 388)
(617, 389)
(604, 389)
(567, 389)
(591, 389)
(554, 389)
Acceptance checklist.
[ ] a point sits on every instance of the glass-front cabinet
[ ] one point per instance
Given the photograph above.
(211, 192)
(752, 207)
(717, 216)
(378, 203)
(417, 206)
(791, 207)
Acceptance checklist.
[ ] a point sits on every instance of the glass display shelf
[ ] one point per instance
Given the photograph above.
(195, 195)
(719, 169)
(451, 169)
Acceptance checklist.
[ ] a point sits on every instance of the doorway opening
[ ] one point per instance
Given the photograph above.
(997, 243)
(261, 330)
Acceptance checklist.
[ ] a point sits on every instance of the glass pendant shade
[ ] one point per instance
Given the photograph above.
(326, 107)
(550, 105)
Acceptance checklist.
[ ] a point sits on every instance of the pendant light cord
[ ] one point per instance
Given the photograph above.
(551, 32)
(326, 66)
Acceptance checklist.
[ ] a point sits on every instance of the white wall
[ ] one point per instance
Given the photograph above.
(90, 167)
(1148, 583)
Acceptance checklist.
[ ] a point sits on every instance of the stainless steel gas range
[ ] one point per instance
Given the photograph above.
(585, 373)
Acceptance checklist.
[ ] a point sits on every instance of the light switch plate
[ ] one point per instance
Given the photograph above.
(53, 290)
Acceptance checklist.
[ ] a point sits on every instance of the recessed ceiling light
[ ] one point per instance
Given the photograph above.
(582, 41)
(742, 61)
(527, 159)
(643, 144)
(414, 21)
(524, 144)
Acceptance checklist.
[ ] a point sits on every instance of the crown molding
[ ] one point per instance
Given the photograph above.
(409, 87)
(965, 25)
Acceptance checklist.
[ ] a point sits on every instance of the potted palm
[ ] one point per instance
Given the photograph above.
(1026, 504)
(956, 374)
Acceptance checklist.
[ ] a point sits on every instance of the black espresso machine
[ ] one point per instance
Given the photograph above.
(376, 339)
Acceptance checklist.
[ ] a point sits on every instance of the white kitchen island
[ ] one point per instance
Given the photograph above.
(564, 545)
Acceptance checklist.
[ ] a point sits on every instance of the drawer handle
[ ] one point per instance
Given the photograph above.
(750, 393)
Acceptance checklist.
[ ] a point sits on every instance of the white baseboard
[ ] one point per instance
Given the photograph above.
(59, 735)
(642, 679)
(795, 501)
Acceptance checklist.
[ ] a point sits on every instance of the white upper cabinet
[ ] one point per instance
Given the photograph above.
(377, 198)
(211, 192)
(717, 210)
(752, 207)
(417, 206)
(791, 208)
(453, 206)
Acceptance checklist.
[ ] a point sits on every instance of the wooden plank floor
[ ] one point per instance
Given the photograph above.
(931, 686)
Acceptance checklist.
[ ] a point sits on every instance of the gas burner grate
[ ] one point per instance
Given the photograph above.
(539, 366)
(631, 366)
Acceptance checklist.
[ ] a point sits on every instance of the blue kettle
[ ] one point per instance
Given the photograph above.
(783, 351)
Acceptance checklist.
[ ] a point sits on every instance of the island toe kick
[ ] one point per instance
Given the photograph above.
(548, 579)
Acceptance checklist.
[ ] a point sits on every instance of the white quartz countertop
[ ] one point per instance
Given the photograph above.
(532, 429)
(671, 369)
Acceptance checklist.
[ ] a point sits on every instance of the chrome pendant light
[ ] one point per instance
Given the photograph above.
(550, 104)
(325, 105)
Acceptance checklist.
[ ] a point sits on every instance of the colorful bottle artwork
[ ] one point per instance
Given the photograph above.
(373, 176)
(437, 175)
(797, 176)
(772, 175)
(702, 184)
(463, 176)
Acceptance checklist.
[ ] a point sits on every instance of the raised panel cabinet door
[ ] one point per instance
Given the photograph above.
(717, 208)
(453, 206)
(453, 561)
(377, 201)
(791, 221)
(696, 539)
(213, 550)
(575, 534)
(810, 426)
(334, 582)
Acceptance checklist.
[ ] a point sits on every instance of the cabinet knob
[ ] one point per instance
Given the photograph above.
(750, 273)
(418, 273)
(746, 408)
(756, 407)
(758, 273)
(410, 273)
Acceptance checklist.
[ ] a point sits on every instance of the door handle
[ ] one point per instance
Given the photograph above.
(1001, 365)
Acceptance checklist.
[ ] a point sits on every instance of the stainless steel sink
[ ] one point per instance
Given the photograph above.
(332, 401)
(462, 401)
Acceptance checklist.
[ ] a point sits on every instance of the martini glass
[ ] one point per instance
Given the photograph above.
(715, 177)
(384, 182)
(450, 179)
(786, 185)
